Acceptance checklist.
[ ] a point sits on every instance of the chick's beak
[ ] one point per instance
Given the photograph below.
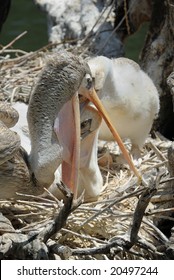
(87, 90)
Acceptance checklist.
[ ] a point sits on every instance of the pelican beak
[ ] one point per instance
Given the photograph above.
(89, 92)
(67, 129)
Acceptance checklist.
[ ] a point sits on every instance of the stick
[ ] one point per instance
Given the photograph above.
(117, 200)
(13, 41)
(140, 209)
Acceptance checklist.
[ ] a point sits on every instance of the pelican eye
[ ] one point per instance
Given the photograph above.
(89, 81)
(85, 128)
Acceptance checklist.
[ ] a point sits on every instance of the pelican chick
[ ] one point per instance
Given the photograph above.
(129, 97)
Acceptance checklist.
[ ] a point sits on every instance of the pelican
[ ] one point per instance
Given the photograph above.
(54, 127)
(15, 173)
(129, 97)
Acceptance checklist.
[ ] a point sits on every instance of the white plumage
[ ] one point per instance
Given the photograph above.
(129, 96)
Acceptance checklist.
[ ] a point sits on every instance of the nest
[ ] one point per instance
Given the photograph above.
(126, 222)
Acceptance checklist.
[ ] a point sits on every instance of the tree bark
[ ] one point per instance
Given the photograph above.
(157, 59)
(170, 82)
(130, 14)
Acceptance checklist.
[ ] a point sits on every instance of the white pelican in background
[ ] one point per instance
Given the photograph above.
(129, 97)
(54, 127)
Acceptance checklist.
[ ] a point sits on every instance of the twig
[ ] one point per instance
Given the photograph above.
(160, 164)
(83, 236)
(140, 209)
(64, 252)
(32, 204)
(117, 244)
(117, 200)
(159, 211)
(14, 51)
(162, 236)
(157, 151)
(60, 219)
(148, 247)
(53, 197)
(58, 222)
(162, 198)
(167, 180)
(13, 41)
(90, 32)
(36, 197)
